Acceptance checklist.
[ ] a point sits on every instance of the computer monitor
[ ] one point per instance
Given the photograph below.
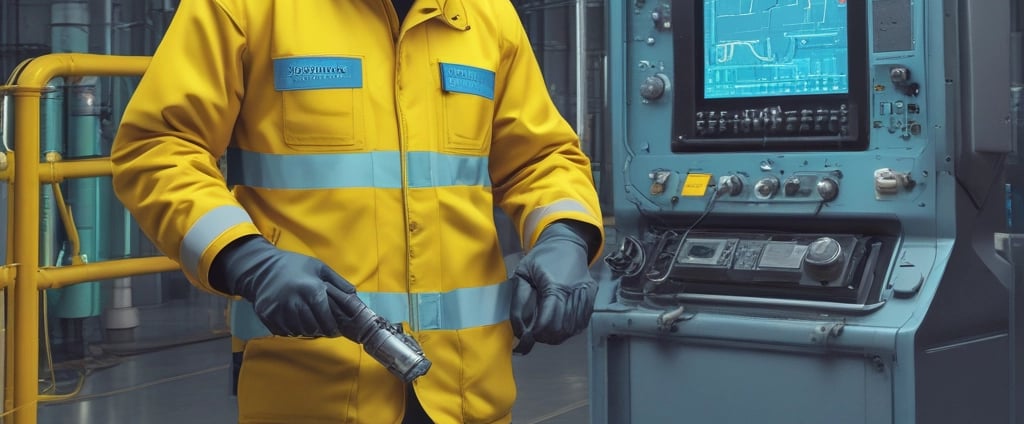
(770, 75)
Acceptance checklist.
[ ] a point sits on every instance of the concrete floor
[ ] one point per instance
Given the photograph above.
(190, 384)
(139, 381)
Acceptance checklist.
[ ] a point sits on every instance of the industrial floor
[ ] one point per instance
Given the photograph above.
(140, 379)
(189, 383)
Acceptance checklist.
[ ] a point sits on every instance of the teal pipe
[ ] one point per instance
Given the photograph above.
(51, 134)
(70, 33)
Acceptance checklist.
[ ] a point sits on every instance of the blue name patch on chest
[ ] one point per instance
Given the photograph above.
(317, 73)
(467, 79)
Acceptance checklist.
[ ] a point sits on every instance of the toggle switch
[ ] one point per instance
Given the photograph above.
(659, 178)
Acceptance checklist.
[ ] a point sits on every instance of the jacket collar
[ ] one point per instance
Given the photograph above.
(452, 12)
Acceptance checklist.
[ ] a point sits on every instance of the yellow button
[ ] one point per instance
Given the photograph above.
(696, 184)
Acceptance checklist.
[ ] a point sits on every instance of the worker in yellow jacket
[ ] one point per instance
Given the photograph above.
(365, 143)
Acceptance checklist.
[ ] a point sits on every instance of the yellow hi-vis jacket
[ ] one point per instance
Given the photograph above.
(376, 147)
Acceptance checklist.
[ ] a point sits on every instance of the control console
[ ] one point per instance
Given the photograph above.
(808, 266)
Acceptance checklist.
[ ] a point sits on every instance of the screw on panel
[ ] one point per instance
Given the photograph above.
(878, 363)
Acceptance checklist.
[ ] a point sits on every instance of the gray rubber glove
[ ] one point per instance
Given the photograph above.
(293, 294)
(557, 269)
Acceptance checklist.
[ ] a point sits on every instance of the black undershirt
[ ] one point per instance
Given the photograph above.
(402, 8)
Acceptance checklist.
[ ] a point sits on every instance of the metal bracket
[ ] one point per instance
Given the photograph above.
(668, 319)
(823, 333)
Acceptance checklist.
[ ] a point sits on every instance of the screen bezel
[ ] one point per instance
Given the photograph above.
(689, 56)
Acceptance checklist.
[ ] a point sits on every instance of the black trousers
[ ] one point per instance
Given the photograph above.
(414, 413)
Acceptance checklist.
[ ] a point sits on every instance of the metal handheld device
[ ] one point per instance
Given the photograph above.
(384, 341)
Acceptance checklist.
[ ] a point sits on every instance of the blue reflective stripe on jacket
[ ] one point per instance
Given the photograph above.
(464, 308)
(454, 310)
(433, 169)
(355, 170)
(204, 231)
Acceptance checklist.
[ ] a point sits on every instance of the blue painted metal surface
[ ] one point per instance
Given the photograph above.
(930, 344)
(89, 198)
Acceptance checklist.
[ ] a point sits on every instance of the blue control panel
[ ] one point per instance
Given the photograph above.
(806, 193)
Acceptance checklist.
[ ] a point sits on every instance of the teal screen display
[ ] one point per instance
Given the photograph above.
(766, 48)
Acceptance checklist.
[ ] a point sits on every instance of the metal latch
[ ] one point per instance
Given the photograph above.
(668, 319)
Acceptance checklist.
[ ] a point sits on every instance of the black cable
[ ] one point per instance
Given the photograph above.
(682, 241)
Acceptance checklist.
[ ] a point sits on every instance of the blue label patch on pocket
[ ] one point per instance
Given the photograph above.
(317, 73)
(467, 79)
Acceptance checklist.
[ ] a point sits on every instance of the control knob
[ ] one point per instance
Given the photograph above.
(828, 189)
(823, 261)
(653, 87)
(730, 184)
(766, 187)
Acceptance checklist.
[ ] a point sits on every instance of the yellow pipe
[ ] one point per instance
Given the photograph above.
(6, 278)
(9, 180)
(6, 166)
(26, 195)
(58, 170)
(17, 69)
(39, 71)
(58, 277)
(8, 319)
(29, 81)
(8, 362)
(26, 256)
(69, 225)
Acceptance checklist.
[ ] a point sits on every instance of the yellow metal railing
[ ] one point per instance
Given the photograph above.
(23, 274)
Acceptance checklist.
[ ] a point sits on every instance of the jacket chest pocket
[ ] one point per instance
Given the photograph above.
(468, 107)
(322, 102)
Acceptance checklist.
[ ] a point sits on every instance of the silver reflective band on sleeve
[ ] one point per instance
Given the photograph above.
(206, 229)
(453, 310)
(537, 215)
(354, 170)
